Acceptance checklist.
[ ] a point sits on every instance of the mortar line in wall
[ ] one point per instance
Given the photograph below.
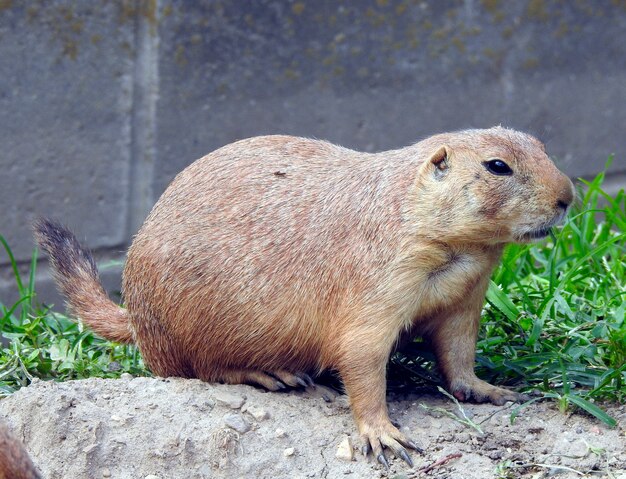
(102, 254)
(145, 90)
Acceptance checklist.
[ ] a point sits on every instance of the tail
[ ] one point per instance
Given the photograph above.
(77, 278)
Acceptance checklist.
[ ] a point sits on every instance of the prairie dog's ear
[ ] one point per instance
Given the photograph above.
(439, 160)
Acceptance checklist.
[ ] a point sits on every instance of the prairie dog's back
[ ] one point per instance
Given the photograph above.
(283, 185)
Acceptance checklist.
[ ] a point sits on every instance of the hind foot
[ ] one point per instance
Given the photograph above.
(304, 380)
(249, 376)
(319, 391)
(294, 379)
(274, 381)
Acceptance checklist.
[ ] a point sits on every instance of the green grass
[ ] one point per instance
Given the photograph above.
(554, 319)
(553, 322)
(48, 345)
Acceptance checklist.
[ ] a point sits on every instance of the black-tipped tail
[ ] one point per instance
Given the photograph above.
(77, 277)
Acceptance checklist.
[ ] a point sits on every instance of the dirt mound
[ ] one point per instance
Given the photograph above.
(174, 428)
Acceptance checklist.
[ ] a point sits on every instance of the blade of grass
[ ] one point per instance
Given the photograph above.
(16, 272)
(501, 301)
(591, 409)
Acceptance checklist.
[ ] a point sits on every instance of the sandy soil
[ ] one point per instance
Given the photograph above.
(174, 428)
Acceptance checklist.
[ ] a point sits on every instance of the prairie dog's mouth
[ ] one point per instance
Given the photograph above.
(537, 234)
(541, 231)
(525, 232)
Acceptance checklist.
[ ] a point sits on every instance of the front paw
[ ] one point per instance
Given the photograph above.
(385, 434)
(481, 391)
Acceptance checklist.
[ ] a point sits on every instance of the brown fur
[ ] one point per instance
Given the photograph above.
(14, 460)
(240, 272)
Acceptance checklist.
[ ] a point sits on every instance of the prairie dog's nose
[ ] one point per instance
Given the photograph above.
(566, 195)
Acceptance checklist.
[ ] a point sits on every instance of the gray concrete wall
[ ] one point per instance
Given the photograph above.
(103, 102)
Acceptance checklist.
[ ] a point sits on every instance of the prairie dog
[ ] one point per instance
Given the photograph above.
(276, 256)
(14, 460)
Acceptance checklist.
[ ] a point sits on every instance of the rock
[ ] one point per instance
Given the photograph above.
(151, 476)
(90, 448)
(106, 473)
(280, 433)
(579, 448)
(258, 413)
(345, 451)
(205, 405)
(290, 451)
(237, 422)
(114, 366)
(126, 376)
(233, 401)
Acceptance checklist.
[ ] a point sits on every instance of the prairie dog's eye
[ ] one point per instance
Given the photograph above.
(498, 167)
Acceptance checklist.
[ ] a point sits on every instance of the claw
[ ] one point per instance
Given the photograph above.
(415, 447)
(365, 450)
(301, 382)
(280, 385)
(405, 457)
(384, 435)
(307, 378)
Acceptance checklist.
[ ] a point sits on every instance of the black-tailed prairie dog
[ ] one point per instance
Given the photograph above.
(14, 460)
(276, 256)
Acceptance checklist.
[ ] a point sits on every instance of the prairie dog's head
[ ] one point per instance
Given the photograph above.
(492, 186)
